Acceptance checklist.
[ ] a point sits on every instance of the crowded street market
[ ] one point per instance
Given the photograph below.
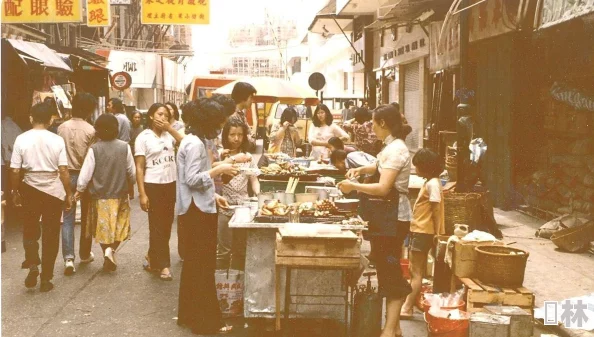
(362, 168)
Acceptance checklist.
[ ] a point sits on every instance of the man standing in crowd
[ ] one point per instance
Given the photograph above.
(116, 107)
(45, 188)
(348, 112)
(242, 94)
(78, 136)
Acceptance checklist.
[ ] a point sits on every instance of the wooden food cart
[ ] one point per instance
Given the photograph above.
(263, 278)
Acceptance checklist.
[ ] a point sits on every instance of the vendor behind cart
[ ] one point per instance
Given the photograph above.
(232, 243)
(386, 206)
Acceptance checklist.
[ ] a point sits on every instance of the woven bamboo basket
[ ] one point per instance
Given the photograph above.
(501, 265)
(574, 239)
(462, 208)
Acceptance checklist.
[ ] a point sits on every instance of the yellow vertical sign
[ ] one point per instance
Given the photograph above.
(41, 11)
(98, 13)
(175, 12)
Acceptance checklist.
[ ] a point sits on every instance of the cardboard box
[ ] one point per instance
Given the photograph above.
(464, 257)
(521, 323)
(488, 325)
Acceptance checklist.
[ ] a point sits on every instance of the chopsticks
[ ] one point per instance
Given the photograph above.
(292, 185)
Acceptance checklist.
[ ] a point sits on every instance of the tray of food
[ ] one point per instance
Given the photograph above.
(274, 211)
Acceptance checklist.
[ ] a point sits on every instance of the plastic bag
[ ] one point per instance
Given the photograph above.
(229, 285)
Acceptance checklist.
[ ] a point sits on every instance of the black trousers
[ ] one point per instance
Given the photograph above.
(39, 204)
(161, 213)
(198, 304)
(387, 251)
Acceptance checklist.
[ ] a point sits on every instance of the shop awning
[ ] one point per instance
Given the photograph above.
(80, 63)
(46, 56)
(326, 22)
(552, 12)
(401, 12)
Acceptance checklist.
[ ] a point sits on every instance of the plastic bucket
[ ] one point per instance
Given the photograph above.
(404, 267)
(445, 327)
(427, 306)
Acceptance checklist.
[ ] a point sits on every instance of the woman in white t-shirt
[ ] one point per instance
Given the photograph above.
(156, 174)
(386, 207)
(322, 130)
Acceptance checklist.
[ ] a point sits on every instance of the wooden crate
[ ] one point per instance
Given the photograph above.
(479, 295)
(318, 252)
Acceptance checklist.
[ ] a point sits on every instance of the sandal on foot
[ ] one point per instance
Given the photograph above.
(225, 329)
(146, 265)
(166, 277)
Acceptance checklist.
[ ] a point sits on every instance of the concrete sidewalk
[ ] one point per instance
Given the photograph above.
(551, 274)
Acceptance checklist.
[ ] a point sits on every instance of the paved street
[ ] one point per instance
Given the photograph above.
(131, 302)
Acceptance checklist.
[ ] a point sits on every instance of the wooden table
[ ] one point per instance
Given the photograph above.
(342, 252)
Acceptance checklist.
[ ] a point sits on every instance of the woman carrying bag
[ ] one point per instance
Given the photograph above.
(386, 206)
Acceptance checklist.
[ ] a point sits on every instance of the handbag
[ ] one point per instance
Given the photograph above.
(380, 212)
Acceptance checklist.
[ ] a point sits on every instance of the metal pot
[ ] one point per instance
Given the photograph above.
(280, 196)
(347, 205)
(306, 197)
(262, 197)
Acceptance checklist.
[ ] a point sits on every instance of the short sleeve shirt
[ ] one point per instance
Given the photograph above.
(159, 153)
(422, 222)
(396, 156)
(41, 151)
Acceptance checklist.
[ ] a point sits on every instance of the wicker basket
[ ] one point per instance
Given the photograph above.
(574, 239)
(462, 208)
(497, 266)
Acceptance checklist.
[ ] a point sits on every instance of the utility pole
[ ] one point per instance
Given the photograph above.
(464, 127)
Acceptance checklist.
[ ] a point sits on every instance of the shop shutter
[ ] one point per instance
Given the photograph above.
(412, 110)
(393, 92)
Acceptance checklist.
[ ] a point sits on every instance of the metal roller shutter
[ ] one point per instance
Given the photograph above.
(412, 111)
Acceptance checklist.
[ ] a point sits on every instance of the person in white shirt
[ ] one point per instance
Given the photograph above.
(322, 130)
(42, 193)
(156, 173)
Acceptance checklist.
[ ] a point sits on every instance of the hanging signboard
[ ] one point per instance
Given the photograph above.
(553, 12)
(175, 12)
(445, 44)
(492, 18)
(41, 11)
(98, 13)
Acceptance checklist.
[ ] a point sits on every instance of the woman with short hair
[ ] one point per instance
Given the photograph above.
(108, 171)
(197, 207)
(322, 130)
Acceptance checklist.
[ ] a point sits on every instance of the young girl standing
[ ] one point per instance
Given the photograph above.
(156, 173)
(428, 221)
(231, 242)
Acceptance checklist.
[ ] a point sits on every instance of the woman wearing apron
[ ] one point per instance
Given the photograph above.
(386, 206)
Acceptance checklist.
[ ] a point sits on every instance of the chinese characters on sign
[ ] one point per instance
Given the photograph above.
(572, 314)
(98, 13)
(493, 18)
(173, 12)
(41, 11)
